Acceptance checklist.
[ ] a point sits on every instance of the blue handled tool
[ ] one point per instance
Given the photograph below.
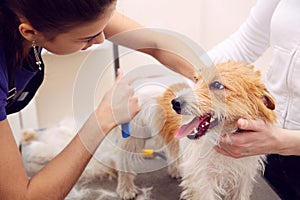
(125, 130)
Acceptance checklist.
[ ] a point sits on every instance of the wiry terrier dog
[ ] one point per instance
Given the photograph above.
(222, 95)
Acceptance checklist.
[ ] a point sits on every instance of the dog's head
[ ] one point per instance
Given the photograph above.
(226, 92)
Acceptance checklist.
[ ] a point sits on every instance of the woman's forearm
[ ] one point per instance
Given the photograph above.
(289, 142)
(166, 48)
(58, 177)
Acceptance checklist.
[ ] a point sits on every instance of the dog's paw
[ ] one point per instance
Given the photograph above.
(174, 172)
(127, 193)
(186, 195)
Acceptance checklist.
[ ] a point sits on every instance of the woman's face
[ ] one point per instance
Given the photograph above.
(81, 37)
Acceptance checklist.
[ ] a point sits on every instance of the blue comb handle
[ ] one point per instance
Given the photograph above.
(125, 130)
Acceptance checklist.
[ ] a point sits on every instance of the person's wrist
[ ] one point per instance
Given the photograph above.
(105, 120)
(284, 142)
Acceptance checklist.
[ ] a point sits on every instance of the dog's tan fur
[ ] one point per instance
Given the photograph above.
(245, 94)
(173, 120)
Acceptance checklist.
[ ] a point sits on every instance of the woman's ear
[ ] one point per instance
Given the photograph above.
(27, 31)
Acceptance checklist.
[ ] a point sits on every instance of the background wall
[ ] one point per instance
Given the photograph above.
(207, 22)
(71, 84)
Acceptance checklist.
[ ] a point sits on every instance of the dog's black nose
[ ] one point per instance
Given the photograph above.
(176, 105)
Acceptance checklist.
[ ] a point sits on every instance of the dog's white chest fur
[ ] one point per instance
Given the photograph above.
(211, 175)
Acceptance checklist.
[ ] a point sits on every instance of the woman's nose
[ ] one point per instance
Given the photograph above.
(99, 39)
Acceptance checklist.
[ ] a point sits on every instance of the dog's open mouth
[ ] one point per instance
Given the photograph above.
(196, 128)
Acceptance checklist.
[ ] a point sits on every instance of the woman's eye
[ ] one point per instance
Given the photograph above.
(216, 85)
(88, 41)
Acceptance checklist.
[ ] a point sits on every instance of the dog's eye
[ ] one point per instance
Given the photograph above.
(216, 86)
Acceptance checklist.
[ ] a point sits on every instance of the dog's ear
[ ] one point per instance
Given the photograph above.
(268, 100)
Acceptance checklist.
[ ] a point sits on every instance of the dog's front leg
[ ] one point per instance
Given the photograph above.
(130, 149)
(173, 151)
(243, 192)
(189, 194)
(126, 187)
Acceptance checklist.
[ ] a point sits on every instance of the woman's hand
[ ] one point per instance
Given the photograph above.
(256, 138)
(119, 105)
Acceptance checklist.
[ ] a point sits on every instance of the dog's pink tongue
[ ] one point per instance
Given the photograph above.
(187, 129)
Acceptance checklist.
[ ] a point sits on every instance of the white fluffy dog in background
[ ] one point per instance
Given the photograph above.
(39, 146)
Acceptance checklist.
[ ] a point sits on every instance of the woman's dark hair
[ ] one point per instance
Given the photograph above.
(49, 17)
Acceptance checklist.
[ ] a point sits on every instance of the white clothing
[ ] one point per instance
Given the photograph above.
(275, 24)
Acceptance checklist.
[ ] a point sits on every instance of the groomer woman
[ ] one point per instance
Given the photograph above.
(61, 27)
